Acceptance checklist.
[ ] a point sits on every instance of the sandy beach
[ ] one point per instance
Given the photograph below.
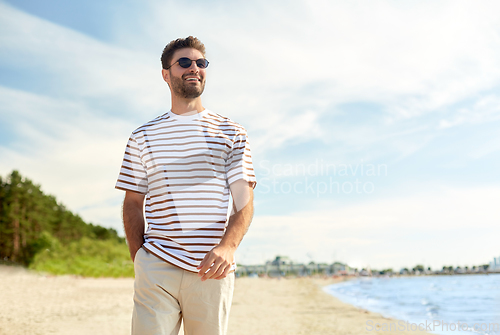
(32, 303)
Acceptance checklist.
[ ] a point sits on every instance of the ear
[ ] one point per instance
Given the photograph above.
(166, 75)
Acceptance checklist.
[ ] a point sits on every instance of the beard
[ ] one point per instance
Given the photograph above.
(184, 90)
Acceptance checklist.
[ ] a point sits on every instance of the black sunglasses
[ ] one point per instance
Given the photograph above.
(185, 62)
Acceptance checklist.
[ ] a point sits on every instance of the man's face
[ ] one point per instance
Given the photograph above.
(185, 83)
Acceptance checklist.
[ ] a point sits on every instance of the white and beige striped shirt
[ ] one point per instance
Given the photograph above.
(184, 165)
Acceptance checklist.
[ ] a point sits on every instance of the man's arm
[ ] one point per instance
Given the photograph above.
(133, 221)
(222, 256)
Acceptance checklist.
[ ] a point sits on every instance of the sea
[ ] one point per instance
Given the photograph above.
(455, 304)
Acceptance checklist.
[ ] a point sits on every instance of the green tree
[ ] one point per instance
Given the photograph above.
(31, 220)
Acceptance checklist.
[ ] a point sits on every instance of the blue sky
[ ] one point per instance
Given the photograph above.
(374, 125)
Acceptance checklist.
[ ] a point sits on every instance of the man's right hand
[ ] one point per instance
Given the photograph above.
(133, 221)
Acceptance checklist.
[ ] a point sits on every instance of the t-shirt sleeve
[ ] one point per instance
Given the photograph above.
(239, 163)
(132, 173)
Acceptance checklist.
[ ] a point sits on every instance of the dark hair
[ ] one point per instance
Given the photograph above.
(180, 43)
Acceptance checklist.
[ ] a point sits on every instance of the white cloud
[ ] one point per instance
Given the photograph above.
(434, 227)
(270, 67)
(410, 59)
(64, 147)
(65, 136)
(69, 64)
(278, 72)
(485, 109)
(286, 130)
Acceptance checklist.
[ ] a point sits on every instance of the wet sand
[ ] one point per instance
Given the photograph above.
(298, 306)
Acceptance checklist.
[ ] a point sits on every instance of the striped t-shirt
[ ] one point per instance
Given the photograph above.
(184, 165)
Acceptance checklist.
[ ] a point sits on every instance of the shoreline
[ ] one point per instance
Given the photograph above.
(44, 304)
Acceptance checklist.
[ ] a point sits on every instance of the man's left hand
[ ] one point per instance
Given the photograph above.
(219, 261)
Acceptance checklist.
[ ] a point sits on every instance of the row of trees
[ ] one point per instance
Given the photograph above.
(31, 220)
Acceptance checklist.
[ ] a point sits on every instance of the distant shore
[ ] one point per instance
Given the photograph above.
(39, 304)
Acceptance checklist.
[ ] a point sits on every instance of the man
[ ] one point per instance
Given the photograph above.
(185, 164)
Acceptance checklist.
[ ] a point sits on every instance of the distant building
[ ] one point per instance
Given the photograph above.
(284, 266)
(494, 265)
(339, 267)
(281, 260)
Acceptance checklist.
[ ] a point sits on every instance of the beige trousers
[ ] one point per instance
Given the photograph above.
(165, 295)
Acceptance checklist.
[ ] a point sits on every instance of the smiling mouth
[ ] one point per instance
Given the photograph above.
(193, 79)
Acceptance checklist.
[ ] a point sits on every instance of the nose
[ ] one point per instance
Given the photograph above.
(193, 67)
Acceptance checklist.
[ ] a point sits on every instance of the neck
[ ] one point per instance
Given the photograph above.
(183, 106)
